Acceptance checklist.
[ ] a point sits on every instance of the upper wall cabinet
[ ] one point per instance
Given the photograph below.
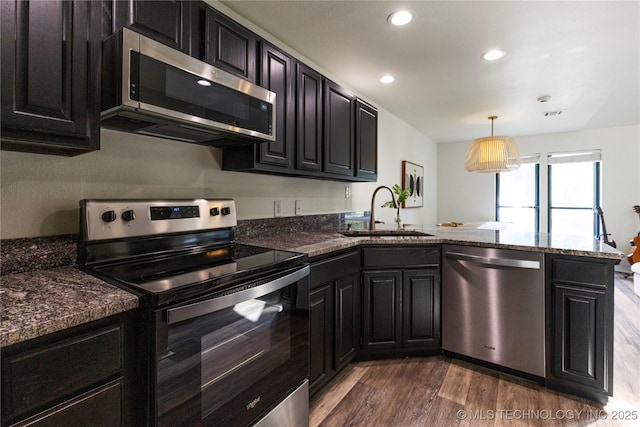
(230, 46)
(366, 142)
(51, 57)
(276, 74)
(309, 119)
(164, 21)
(339, 130)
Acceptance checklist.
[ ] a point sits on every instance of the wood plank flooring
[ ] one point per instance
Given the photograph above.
(439, 391)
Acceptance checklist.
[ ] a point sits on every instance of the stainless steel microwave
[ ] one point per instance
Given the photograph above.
(151, 89)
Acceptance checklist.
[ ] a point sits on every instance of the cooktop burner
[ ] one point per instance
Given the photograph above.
(219, 265)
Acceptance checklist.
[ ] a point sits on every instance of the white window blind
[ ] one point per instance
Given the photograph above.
(530, 158)
(574, 156)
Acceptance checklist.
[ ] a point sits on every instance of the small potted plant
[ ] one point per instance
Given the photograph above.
(401, 196)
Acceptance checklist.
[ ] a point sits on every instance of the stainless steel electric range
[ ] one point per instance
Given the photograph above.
(224, 327)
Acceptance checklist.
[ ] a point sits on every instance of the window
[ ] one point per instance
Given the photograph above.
(574, 192)
(518, 196)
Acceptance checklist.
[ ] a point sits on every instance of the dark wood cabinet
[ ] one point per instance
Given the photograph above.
(167, 21)
(334, 316)
(347, 328)
(421, 308)
(277, 74)
(321, 336)
(366, 142)
(382, 310)
(401, 300)
(230, 46)
(339, 131)
(75, 376)
(580, 326)
(51, 54)
(309, 119)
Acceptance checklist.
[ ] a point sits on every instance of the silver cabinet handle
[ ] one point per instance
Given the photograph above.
(500, 262)
(201, 308)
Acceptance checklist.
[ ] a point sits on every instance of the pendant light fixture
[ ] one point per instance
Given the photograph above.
(492, 153)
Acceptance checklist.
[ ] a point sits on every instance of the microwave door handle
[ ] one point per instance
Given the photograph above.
(189, 311)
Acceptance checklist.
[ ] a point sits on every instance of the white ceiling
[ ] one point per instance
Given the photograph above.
(585, 54)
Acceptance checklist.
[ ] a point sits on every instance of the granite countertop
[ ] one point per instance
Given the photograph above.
(51, 297)
(320, 243)
(45, 301)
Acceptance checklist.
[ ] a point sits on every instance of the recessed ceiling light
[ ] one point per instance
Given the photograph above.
(203, 82)
(401, 17)
(493, 54)
(387, 78)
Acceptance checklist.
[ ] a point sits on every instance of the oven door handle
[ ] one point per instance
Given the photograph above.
(178, 314)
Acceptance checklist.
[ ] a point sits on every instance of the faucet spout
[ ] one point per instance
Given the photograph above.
(373, 198)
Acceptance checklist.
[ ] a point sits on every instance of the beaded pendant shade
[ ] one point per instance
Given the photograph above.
(492, 153)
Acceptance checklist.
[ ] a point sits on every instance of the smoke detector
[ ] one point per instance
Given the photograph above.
(544, 98)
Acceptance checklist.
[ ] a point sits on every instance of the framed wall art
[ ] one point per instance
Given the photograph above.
(413, 178)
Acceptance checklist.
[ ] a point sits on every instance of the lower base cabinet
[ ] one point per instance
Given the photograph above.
(401, 311)
(78, 376)
(580, 326)
(401, 300)
(334, 316)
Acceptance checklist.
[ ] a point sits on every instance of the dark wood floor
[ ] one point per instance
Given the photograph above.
(438, 391)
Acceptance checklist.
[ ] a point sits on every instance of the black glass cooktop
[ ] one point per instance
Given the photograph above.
(214, 267)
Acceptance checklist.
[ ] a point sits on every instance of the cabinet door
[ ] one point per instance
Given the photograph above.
(51, 56)
(278, 76)
(321, 336)
(309, 119)
(579, 341)
(230, 46)
(366, 142)
(580, 325)
(421, 309)
(382, 315)
(347, 319)
(339, 148)
(165, 21)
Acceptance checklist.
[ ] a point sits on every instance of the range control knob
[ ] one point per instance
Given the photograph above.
(129, 215)
(214, 211)
(109, 216)
(226, 211)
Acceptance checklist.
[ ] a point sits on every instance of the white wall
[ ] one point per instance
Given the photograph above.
(464, 196)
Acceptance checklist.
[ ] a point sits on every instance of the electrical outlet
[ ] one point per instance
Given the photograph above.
(298, 207)
(347, 192)
(277, 208)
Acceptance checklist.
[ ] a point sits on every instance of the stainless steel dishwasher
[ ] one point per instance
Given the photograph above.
(493, 306)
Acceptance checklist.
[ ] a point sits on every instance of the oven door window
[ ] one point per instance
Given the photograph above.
(230, 366)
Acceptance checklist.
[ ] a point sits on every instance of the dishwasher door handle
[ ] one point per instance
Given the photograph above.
(497, 262)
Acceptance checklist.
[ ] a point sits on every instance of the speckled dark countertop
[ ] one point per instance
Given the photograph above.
(42, 292)
(320, 243)
(46, 301)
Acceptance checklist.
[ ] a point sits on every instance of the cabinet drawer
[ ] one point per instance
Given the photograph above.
(34, 378)
(332, 268)
(411, 256)
(98, 407)
(587, 272)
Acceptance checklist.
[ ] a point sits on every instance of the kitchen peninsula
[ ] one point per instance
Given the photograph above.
(577, 297)
(339, 273)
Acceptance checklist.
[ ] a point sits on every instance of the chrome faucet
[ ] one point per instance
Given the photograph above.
(373, 197)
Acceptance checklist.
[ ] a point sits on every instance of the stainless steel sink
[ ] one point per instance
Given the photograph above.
(384, 233)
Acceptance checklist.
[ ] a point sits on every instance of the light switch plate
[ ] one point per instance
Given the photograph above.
(277, 208)
(298, 207)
